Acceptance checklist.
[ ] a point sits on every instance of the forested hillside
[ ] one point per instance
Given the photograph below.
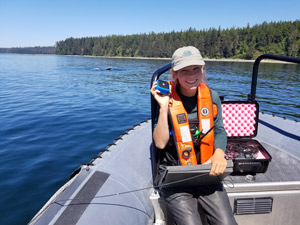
(29, 50)
(245, 43)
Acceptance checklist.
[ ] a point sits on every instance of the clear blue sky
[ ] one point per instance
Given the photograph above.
(26, 23)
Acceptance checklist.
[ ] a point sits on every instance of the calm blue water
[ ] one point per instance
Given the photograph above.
(57, 112)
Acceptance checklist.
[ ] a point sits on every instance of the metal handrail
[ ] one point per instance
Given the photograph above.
(155, 77)
(252, 94)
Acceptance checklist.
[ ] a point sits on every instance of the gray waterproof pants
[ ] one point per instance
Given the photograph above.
(182, 204)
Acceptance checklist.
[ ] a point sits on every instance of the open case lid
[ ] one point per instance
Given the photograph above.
(240, 118)
(194, 175)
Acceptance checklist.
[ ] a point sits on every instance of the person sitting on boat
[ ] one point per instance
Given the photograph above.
(191, 102)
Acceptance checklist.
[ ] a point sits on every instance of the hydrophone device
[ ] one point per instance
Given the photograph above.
(163, 87)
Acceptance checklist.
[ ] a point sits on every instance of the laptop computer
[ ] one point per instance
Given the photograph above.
(194, 175)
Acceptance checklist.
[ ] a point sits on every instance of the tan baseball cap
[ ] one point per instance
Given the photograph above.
(186, 56)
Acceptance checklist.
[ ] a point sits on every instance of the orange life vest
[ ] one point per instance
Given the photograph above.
(181, 127)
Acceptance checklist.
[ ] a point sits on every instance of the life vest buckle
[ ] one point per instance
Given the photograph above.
(186, 153)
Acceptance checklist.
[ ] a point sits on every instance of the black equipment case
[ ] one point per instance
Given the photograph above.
(240, 120)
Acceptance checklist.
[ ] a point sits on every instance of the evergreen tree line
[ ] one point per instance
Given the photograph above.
(29, 50)
(245, 43)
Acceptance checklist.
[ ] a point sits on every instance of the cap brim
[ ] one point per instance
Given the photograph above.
(189, 63)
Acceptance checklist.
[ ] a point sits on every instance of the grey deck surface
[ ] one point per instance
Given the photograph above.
(126, 167)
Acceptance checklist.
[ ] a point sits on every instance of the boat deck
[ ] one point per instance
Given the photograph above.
(103, 187)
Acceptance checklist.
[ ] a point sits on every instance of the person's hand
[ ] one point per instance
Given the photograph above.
(162, 100)
(218, 163)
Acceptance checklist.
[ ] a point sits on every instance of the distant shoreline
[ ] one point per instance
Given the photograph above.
(167, 59)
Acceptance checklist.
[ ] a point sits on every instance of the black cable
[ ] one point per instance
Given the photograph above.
(127, 192)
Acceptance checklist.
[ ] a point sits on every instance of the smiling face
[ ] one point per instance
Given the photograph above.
(189, 79)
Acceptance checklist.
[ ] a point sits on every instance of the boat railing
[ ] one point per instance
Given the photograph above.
(252, 94)
(155, 76)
